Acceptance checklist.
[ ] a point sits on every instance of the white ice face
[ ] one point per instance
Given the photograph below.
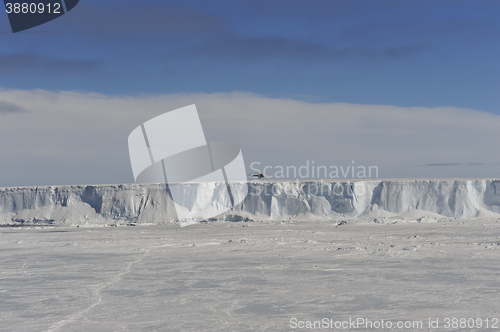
(171, 148)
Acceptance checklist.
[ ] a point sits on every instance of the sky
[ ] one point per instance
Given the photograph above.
(408, 86)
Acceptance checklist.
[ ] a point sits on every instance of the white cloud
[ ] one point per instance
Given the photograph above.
(79, 138)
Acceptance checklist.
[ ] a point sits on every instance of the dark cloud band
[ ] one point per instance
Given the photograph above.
(6, 108)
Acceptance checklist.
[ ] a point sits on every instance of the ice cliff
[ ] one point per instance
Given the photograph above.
(266, 200)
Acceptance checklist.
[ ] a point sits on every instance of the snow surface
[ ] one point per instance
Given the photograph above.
(278, 200)
(248, 276)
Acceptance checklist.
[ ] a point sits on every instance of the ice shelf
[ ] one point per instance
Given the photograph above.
(266, 200)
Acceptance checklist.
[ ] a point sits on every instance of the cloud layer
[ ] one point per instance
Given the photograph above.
(81, 138)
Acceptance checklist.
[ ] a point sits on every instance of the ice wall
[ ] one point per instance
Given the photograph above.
(267, 200)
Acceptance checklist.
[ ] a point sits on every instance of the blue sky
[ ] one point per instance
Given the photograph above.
(433, 55)
(406, 53)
